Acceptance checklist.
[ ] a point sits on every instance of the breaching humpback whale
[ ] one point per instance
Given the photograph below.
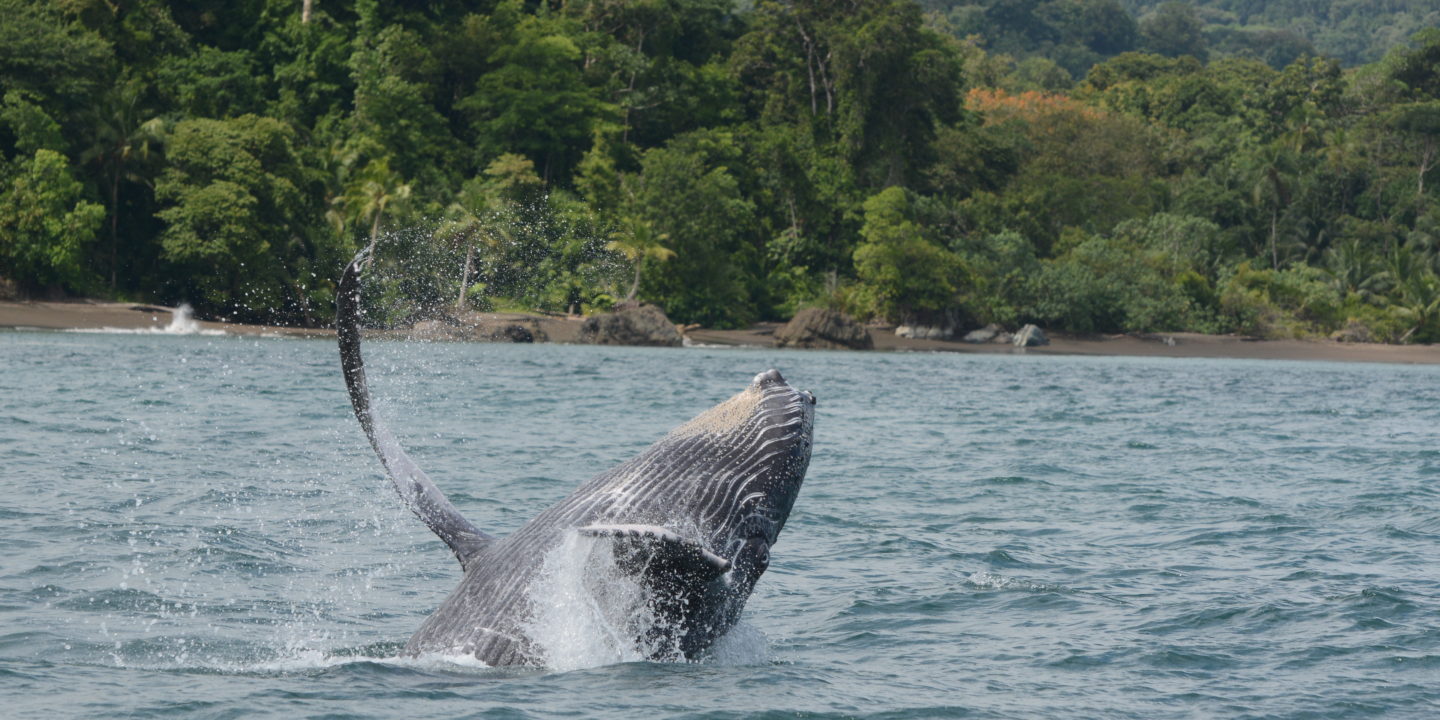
(691, 519)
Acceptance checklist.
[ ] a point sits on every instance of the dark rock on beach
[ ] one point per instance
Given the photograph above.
(926, 332)
(983, 335)
(634, 325)
(480, 328)
(825, 329)
(1030, 336)
(1353, 332)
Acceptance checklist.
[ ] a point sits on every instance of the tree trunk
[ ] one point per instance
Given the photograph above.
(305, 11)
(635, 286)
(1427, 162)
(374, 233)
(809, 65)
(1274, 253)
(114, 226)
(465, 274)
(303, 300)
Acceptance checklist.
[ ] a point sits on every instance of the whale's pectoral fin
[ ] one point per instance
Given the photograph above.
(414, 486)
(661, 556)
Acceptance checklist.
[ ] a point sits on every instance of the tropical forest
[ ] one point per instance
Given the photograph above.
(1091, 166)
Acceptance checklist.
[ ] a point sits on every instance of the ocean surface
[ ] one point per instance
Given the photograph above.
(194, 527)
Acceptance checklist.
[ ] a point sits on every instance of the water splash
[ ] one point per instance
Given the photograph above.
(182, 322)
(588, 612)
(745, 644)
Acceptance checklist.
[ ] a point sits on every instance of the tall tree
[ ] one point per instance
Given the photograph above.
(237, 225)
(125, 133)
(46, 225)
(373, 192)
(637, 241)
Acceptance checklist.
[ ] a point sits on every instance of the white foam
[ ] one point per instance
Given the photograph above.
(309, 660)
(297, 660)
(182, 322)
(588, 612)
(984, 580)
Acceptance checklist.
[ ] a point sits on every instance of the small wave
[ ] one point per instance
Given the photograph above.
(195, 655)
(739, 647)
(1012, 480)
(116, 599)
(993, 581)
(309, 661)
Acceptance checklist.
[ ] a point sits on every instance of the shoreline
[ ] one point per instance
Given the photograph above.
(88, 315)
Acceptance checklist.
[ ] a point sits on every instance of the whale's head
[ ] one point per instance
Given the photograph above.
(695, 515)
(750, 455)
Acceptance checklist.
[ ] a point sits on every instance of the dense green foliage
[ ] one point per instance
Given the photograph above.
(1010, 161)
(1053, 42)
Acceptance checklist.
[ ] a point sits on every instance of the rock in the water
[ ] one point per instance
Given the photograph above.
(825, 329)
(1030, 336)
(925, 332)
(636, 325)
(983, 335)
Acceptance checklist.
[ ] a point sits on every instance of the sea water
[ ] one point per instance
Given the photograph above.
(194, 527)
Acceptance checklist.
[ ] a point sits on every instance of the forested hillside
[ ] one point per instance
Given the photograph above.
(728, 164)
(1352, 31)
(1076, 34)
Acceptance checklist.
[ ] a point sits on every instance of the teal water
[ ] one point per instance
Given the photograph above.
(194, 528)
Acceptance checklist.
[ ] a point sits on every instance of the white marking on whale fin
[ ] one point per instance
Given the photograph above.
(659, 543)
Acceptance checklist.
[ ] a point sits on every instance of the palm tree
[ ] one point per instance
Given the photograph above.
(485, 211)
(338, 166)
(464, 226)
(639, 242)
(1271, 178)
(374, 191)
(1355, 267)
(122, 135)
(1420, 295)
(1420, 124)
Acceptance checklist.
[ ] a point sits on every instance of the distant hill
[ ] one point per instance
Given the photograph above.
(1076, 34)
(1353, 31)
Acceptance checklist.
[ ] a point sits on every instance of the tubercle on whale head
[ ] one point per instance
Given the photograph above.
(779, 398)
(786, 422)
(772, 378)
(767, 395)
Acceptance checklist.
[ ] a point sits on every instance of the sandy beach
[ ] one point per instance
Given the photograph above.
(93, 315)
